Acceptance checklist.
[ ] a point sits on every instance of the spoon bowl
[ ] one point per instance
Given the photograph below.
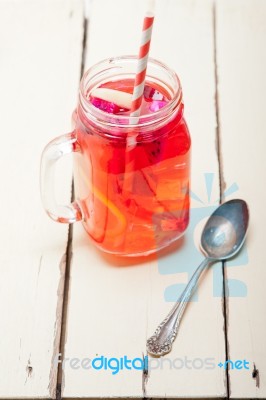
(225, 230)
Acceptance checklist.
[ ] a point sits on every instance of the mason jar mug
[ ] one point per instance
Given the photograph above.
(131, 174)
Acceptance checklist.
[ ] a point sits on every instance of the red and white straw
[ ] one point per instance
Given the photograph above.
(142, 63)
(138, 90)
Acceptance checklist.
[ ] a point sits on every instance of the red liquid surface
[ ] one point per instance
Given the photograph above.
(134, 202)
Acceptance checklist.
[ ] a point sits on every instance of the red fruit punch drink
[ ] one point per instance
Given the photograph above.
(132, 175)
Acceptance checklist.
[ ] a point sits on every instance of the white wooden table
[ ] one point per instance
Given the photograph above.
(60, 295)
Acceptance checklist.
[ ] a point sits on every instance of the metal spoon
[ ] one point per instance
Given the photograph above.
(222, 237)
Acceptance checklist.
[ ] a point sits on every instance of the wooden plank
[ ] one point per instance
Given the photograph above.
(201, 332)
(114, 309)
(241, 54)
(40, 45)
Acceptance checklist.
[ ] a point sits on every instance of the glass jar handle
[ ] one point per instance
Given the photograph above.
(55, 150)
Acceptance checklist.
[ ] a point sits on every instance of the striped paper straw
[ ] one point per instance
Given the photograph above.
(138, 90)
(142, 64)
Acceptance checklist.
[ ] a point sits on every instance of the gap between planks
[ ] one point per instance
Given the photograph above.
(68, 254)
(222, 184)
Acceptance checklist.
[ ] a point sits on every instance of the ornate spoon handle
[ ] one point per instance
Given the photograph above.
(160, 342)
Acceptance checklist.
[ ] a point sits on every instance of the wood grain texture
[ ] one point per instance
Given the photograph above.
(40, 45)
(114, 308)
(241, 56)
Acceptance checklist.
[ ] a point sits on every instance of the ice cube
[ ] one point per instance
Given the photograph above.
(152, 94)
(157, 105)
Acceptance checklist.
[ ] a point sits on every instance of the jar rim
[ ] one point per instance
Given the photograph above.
(124, 121)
